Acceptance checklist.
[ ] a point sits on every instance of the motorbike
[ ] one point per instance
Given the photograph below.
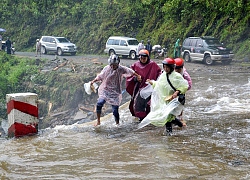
(158, 51)
(12, 47)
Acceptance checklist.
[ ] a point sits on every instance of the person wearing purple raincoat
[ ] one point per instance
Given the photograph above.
(148, 69)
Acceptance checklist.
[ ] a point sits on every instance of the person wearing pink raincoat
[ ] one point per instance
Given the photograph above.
(182, 70)
(110, 90)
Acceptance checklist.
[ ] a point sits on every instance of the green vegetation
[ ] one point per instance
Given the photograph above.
(15, 73)
(90, 23)
(62, 89)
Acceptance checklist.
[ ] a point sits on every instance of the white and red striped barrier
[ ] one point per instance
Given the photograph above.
(22, 114)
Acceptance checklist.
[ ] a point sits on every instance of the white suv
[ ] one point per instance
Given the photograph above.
(58, 45)
(120, 45)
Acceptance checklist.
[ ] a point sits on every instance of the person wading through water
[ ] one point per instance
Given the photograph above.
(148, 69)
(110, 90)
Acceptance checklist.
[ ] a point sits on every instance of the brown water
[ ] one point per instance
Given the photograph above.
(215, 145)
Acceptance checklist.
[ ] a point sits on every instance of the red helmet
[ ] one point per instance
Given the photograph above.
(179, 63)
(143, 52)
(170, 63)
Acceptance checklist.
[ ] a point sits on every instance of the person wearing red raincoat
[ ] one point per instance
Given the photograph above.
(148, 69)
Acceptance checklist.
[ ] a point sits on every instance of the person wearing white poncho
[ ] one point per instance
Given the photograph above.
(164, 99)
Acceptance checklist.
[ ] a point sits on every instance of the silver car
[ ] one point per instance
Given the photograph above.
(59, 45)
(120, 45)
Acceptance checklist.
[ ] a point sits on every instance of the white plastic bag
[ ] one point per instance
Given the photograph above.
(146, 91)
(88, 89)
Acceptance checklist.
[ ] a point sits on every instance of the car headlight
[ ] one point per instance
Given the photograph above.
(231, 52)
(215, 52)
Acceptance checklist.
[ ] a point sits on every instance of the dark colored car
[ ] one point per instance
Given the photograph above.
(206, 49)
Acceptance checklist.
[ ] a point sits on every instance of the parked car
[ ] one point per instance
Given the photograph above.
(124, 46)
(206, 49)
(59, 45)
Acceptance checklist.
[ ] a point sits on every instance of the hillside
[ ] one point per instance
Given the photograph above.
(90, 23)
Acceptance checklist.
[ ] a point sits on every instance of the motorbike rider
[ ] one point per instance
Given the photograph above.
(38, 47)
(148, 47)
(140, 47)
(183, 71)
(8, 45)
(148, 69)
(177, 49)
(168, 86)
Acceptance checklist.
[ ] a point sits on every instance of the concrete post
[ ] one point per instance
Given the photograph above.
(22, 114)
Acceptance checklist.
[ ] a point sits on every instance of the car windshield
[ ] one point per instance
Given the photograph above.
(213, 42)
(133, 42)
(62, 40)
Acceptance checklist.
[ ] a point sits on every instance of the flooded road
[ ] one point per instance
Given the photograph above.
(215, 144)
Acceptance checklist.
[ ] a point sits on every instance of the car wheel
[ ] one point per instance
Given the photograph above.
(59, 52)
(111, 52)
(43, 50)
(132, 55)
(187, 57)
(226, 62)
(73, 53)
(208, 60)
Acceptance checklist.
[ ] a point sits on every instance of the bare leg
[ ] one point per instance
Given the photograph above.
(184, 125)
(98, 119)
(182, 120)
(180, 123)
(117, 122)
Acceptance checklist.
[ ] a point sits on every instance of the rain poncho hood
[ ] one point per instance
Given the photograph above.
(163, 111)
(111, 87)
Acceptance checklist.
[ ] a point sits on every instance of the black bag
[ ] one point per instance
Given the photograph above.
(181, 97)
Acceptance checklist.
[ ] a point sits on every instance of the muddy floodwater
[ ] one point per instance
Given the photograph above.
(215, 144)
